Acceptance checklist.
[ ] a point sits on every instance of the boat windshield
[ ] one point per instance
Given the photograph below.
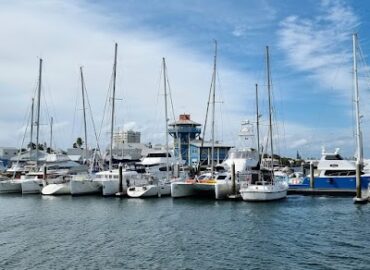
(243, 154)
(333, 157)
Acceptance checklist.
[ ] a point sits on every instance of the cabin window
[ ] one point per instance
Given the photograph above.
(333, 157)
(339, 173)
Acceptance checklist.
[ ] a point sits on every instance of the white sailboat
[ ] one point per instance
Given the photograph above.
(83, 184)
(15, 185)
(205, 183)
(267, 187)
(161, 187)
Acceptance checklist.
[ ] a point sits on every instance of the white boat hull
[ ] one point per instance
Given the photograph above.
(111, 187)
(182, 189)
(149, 191)
(84, 187)
(10, 186)
(263, 192)
(224, 188)
(57, 189)
(31, 186)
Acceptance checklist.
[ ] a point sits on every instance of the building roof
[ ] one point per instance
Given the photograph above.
(198, 143)
(184, 119)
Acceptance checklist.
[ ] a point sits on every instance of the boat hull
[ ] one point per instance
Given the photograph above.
(31, 186)
(10, 186)
(263, 193)
(85, 187)
(149, 191)
(182, 189)
(333, 183)
(56, 189)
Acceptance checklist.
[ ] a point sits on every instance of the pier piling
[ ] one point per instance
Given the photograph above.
(312, 175)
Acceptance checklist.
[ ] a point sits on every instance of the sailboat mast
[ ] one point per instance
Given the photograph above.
(257, 123)
(84, 108)
(113, 101)
(270, 107)
(51, 131)
(166, 116)
(358, 127)
(213, 109)
(357, 102)
(31, 128)
(38, 114)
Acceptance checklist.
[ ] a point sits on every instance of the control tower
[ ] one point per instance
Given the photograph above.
(183, 132)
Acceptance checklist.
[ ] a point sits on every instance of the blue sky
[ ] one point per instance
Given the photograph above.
(311, 53)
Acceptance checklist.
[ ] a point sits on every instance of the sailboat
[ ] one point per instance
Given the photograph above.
(83, 184)
(156, 186)
(267, 187)
(206, 182)
(15, 185)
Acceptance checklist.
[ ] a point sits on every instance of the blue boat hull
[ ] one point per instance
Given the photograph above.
(333, 183)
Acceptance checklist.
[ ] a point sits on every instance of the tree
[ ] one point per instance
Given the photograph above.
(79, 142)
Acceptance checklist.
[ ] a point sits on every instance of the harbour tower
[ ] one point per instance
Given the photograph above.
(188, 144)
(184, 131)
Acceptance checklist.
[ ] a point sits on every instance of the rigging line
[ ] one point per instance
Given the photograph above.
(28, 112)
(156, 115)
(209, 101)
(363, 59)
(92, 118)
(170, 95)
(220, 91)
(74, 116)
(107, 98)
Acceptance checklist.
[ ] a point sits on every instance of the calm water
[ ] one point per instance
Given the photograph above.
(110, 233)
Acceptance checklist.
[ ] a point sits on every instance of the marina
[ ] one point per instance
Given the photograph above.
(186, 135)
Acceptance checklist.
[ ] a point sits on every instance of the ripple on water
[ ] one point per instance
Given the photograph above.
(110, 233)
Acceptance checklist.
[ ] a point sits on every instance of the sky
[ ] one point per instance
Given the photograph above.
(310, 45)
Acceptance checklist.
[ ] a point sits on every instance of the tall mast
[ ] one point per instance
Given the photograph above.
(257, 123)
(213, 109)
(31, 129)
(358, 127)
(38, 113)
(84, 109)
(270, 107)
(357, 102)
(51, 131)
(166, 116)
(113, 101)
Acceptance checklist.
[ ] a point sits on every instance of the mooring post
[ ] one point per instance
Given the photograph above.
(312, 176)
(120, 188)
(233, 178)
(44, 176)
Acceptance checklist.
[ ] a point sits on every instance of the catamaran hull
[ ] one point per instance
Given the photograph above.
(10, 187)
(56, 189)
(182, 189)
(149, 191)
(111, 187)
(33, 186)
(223, 189)
(85, 187)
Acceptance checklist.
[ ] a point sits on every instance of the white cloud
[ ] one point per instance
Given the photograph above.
(68, 34)
(321, 46)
